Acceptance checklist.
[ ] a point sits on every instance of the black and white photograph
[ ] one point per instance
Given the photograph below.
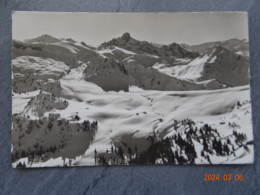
(98, 89)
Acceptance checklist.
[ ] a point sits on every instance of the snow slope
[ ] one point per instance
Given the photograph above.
(137, 113)
(192, 71)
(134, 115)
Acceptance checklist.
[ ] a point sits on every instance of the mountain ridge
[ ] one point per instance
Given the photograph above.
(140, 63)
(236, 45)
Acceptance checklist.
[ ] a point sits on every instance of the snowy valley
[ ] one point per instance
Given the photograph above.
(129, 102)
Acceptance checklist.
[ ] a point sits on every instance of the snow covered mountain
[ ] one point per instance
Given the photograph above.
(237, 46)
(139, 63)
(217, 67)
(43, 39)
(141, 47)
(128, 102)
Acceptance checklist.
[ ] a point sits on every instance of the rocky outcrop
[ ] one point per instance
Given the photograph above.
(44, 102)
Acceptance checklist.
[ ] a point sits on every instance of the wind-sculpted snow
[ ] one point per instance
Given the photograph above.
(133, 116)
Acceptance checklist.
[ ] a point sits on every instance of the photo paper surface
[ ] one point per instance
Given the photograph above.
(92, 89)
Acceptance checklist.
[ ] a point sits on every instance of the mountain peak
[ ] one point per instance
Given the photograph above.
(126, 36)
(216, 49)
(45, 38)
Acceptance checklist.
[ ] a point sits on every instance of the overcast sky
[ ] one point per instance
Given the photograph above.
(163, 28)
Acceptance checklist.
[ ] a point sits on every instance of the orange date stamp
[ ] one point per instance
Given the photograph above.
(225, 177)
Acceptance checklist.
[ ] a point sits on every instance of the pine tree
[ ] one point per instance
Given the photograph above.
(112, 149)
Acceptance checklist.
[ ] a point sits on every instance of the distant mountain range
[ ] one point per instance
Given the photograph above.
(237, 46)
(124, 61)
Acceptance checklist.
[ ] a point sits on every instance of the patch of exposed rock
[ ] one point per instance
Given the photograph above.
(45, 102)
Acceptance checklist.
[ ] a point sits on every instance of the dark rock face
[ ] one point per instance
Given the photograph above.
(126, 37)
